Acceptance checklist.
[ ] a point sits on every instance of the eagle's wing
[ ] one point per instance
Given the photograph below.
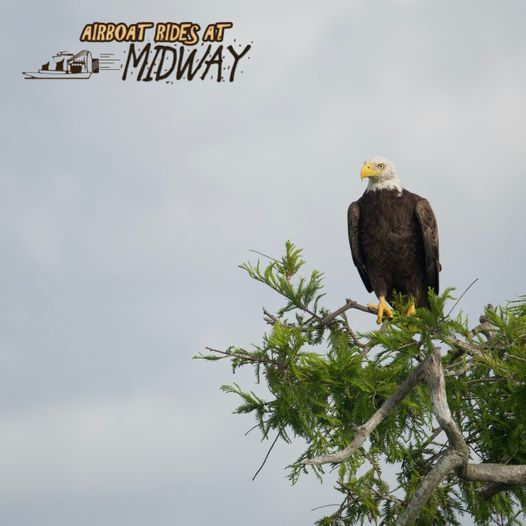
(429, 229)
(353, 224)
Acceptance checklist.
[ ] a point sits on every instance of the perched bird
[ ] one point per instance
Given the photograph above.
(394, 239)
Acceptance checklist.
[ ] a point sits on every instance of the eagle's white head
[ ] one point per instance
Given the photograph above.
(381, 174)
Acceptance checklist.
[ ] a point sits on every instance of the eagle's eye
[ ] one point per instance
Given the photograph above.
(381, 166)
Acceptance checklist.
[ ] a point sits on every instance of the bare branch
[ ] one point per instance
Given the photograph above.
(266, 457)
(461, 296)
(350, 304)
(498, 473)
(445, 465)
(324, 506)
(351, 333)
(434, 376)
(269, 318)
(264, 255)
(252, 429)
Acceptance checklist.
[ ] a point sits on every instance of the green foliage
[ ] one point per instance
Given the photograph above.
(320, 381)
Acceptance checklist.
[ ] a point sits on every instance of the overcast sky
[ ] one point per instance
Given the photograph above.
(126, 208)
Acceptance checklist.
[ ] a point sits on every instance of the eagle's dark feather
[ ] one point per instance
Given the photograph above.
(394, 244)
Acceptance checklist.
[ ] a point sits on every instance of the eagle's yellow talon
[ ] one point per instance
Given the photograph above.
(382, 309)
(411, 311)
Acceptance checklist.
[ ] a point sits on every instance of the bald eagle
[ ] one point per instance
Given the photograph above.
(394, 239)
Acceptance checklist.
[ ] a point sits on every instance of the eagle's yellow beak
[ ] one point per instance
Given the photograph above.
(368, 170)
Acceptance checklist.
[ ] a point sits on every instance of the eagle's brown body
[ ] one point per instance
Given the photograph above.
(394, 244)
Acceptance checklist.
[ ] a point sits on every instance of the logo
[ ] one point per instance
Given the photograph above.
(166, 51)
(67, 65)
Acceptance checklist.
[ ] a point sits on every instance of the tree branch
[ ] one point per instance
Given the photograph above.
(458, 372)
(240, 353)
(498, 473)
(350, 304)
(454, 458)
(445, 465)
(366, 429)
(490, 490)
(434, 376)
(485, 328)
(266, 456)
(351, 333)
(461, 296)
(463, 347)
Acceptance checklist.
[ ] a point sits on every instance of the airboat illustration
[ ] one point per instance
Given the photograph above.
(67, 65)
